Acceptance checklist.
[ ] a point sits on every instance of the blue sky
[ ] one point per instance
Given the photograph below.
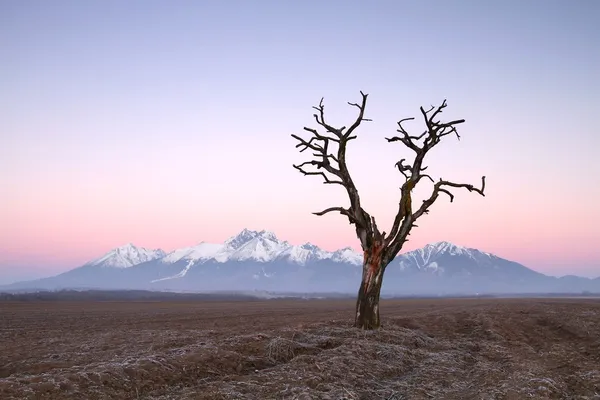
(167, 122)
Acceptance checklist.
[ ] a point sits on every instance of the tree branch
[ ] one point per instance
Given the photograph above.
(436, 129)
(326, 179)
(439, 187)
(328, 161)
(341, 210)
(406, 138)
(331, 166)
(413, 173)
(361, 114)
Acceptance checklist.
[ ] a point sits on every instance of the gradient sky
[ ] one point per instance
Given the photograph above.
(164, 123)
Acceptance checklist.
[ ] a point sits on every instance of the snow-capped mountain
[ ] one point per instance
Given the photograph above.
(127, 256)
(263, 246)
(443, 267)
(304, 253)
(444, 258)
(260, 246)
(258, 260)
(199, 252)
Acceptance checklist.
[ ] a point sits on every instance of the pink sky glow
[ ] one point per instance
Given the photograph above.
(172, 126)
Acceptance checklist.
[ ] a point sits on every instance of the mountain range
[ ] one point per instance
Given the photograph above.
(259, 261)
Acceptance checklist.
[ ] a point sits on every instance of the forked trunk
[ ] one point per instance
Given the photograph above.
(367, 303)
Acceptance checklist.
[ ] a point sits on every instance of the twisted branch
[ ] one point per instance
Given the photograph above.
(332, 167)
(413, 173)
(439, 188)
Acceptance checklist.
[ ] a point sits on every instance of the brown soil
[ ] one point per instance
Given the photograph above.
(281, 349)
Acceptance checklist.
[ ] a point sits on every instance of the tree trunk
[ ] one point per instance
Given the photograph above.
(367, 303)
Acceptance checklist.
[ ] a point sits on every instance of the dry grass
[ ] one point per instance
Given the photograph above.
(447, 349)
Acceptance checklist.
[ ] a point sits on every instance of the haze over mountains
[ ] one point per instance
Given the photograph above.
(254, 260)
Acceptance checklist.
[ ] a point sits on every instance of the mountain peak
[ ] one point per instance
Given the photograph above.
(252, 245)
(268, 235)
(126, 247)
(445, 247)
(264, 264)
(348, 255)
(246, 235)
(432, 255)
(126, 256)
(347, 248)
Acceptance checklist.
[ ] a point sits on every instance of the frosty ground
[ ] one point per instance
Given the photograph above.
(300, 349)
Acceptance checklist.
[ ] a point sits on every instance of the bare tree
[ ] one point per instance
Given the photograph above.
(329, 162)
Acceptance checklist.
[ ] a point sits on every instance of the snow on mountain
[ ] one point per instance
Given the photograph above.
(180, 274)
(264, 247)
(260, 246)
(304, 253)
(462, 268)
(425, 258)
(201, 251)
(258, 260)
(246, 235)
(127, 256)
(347, 255)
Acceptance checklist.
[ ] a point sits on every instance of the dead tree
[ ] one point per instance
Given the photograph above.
(379, 249)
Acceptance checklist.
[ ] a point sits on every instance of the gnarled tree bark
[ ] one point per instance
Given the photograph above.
(367, 301)
(329, 162)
